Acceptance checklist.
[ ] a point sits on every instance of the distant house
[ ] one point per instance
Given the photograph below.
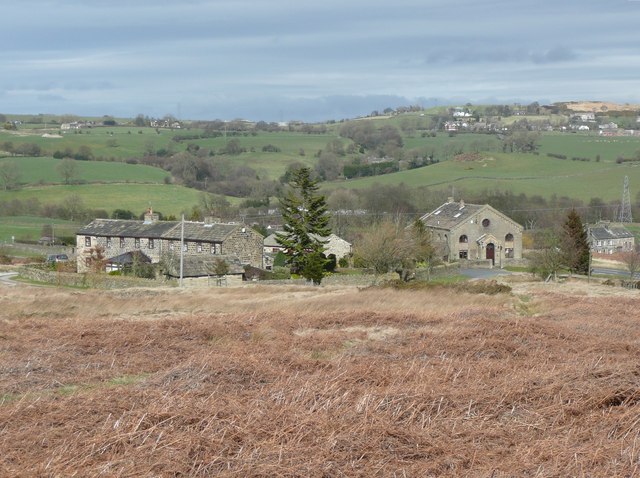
(198, 271)
(609, 238)
(120, 241)
(463, 231)
(333, 245)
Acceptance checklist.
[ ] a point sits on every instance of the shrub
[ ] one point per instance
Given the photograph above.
(281, 273)
(343, 262)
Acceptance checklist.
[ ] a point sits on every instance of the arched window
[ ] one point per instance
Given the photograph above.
(486, 222)
(463, 239)
(508, 238)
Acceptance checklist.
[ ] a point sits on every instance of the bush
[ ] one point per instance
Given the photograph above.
(330, 263)
(281, 273)
(343, 262)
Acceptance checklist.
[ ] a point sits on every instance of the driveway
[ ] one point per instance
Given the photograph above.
(5, 278)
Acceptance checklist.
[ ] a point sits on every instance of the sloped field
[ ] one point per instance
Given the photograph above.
(283, 381)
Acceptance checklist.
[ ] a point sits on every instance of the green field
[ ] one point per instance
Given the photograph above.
(589, 145)
(521, 173)
(44, 171)
(167, 199)
(30, 228)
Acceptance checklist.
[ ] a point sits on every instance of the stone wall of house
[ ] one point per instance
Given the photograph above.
(496, 231)
(337, 246)
(113, 247)
(246, 244)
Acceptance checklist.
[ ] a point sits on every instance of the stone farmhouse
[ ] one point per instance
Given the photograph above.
(333, 245)
(152, 240)
(474, 232)
(609, 238)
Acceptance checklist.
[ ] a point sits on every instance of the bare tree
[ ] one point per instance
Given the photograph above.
(9, 175)
(631, 259)
(67, 169)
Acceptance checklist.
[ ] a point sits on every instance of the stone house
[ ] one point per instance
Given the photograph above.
(474, 232)
(333, 245)
(160, 240)
(609, 238)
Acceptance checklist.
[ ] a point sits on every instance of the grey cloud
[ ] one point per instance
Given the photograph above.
(488, 54)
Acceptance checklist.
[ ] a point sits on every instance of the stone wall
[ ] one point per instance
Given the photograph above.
(246, 244)
(90, 280)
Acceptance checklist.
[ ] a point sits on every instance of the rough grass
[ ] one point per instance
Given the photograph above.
(300, 381)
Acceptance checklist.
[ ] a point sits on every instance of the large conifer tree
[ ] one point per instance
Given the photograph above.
(306, 220)
(576, 244)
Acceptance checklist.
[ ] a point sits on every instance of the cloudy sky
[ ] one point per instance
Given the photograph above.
(279, 60)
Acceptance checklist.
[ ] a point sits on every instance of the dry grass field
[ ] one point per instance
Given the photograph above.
(320, 382)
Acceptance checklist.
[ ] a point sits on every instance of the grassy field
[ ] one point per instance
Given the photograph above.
(30, 228)
(529, 174)
(589, 145)
(522, 173)
(44, 171)
(236, 382)
(168, 199)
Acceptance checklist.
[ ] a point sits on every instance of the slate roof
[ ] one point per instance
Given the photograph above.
(450, 214)
(122, 228)
(193, 231)
(609, 231)
(270, 240)
(194, 266)
(128, 258)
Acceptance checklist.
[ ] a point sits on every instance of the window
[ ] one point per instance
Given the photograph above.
(151, 244)
(508, 238)
(136, 243)
(185, 247)
(215, 248)
(463, 239)
(87, 242)
(486, 222)
(108, 242)
(199, 247)
(463, 254)
(122, 242)
(508, 252)
(172, 245)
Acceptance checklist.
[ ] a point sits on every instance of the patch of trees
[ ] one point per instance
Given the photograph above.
(84, 153)
(368, 137)
(358, 170)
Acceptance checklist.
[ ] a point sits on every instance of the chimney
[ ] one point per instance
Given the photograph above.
(150, 217)
(449, 199)
(461, 203)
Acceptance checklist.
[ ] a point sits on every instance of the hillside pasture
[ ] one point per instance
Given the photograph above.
(30, 228)
(300, 381)
(518, 173)
(40, 170)
(168, 199)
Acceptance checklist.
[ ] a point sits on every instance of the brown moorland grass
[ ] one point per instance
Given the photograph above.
(300, 381)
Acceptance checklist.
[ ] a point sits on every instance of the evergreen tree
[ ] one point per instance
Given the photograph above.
(306, 220)
(576, 244)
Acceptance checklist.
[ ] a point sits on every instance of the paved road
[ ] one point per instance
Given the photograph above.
(5, 278)
(614, 272)
(483, 273)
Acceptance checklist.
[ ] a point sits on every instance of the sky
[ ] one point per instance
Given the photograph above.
(283, 60)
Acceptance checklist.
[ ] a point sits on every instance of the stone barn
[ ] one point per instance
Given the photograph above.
(463, 231)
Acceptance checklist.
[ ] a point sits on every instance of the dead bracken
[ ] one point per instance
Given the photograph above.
(320, 382)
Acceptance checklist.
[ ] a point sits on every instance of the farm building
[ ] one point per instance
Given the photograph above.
(119, 241)
(474, 232)
(608, 238)
(333, 245)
